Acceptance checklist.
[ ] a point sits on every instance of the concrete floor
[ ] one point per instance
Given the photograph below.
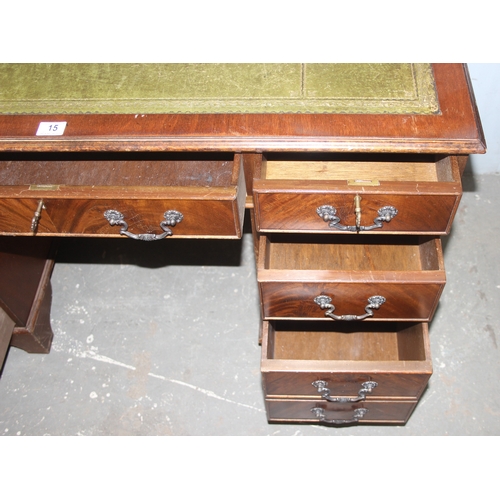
(162, 339)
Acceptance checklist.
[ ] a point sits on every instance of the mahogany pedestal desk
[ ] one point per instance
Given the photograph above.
(351, 173)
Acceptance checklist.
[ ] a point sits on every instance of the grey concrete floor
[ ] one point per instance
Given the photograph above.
(162, 339)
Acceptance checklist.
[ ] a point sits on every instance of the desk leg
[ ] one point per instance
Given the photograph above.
(6, 328)
(25, 293)
(36, 336)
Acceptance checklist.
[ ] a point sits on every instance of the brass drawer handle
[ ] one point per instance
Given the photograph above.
(325, 302)
(36, 217)
(171, 218)
(366, 388)
(358, 414)
(328, 214)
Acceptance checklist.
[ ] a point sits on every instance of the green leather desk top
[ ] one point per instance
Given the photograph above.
(217, 88)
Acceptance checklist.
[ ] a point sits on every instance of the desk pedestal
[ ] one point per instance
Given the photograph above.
(25, 293)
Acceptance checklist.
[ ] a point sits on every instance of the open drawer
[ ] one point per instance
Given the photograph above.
(342, 193)
(140, 195)
(341, 373)
(318, 361)
(345, 278)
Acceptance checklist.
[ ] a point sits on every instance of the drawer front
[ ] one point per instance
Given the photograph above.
(368, 412)
(369, 384)
(348, 301)
(142, 198)
(306, 212)
(199, 218)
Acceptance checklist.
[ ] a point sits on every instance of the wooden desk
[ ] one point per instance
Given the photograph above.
(351, 174)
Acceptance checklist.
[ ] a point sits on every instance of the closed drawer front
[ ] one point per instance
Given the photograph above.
(148, 198)
(86, 217)
(413, 194)
(368, 412)
(358, 361)
(343, 278)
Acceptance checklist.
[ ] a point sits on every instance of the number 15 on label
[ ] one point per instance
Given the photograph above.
(51, 128)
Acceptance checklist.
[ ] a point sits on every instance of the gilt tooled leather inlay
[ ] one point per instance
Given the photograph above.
(217, 88)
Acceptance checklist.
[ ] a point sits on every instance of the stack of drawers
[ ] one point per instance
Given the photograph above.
(350, 271)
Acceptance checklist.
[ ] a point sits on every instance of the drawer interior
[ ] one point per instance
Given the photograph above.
(119, 169)
(298, 340)
(348, 252)
(359, 168)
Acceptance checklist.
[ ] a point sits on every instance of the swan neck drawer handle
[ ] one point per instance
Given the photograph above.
(325, 302)
(171, 218)
(359, 413)
(366, 388)
(329, 214)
